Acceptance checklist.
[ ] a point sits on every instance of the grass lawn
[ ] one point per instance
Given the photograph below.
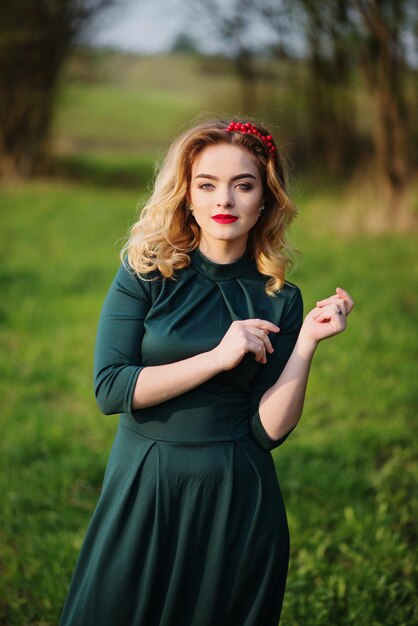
(348, 473)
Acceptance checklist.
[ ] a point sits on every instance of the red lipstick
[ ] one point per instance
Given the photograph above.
(224, 218)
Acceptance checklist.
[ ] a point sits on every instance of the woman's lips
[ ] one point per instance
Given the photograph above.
(224, 218)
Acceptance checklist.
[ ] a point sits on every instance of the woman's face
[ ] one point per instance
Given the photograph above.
(226, 192)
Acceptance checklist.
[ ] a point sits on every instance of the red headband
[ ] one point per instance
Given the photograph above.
(247, 128)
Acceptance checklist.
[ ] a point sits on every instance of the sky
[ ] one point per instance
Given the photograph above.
(141, 26)
(151, 26)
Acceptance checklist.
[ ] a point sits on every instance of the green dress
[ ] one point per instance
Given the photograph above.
(190, 528)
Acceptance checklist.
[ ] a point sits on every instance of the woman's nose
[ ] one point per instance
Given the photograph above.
(225, 198)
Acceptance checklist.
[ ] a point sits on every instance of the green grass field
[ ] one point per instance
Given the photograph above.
(349, 473)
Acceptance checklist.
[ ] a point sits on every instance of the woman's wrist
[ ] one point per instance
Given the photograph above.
(306, 346)
(215, 360)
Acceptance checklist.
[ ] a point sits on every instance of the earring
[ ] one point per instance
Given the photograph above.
(261, 209)
(191, 209)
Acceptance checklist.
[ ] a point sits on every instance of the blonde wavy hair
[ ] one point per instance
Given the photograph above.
(166, 231)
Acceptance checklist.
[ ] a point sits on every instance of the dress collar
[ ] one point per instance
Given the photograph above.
(219, 271)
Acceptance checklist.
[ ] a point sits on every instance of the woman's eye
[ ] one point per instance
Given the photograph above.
(206, 186)
(244, 186)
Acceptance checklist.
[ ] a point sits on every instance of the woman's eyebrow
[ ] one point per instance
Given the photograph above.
(244, 175)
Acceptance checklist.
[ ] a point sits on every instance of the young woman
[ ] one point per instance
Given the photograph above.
(202, 349)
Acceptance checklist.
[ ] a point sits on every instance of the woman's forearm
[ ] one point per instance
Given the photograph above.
(281, 406)
(158, 383)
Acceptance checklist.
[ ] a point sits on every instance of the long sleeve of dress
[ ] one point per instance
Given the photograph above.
(283, 344)
(117, 359)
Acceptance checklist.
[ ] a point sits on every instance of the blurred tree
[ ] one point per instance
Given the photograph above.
(320, 32)
(340, 37)
(382, 27)
(231, 22)
(35, 38)
(185, 44)
(331, 106)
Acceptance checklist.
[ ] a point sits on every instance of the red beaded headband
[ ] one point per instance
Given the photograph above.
(247, 128)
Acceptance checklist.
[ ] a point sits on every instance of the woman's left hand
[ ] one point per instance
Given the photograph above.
(328, 318)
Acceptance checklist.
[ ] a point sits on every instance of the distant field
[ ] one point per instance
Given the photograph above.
(130, 105)
(120, 104)
(116, 115)
(349, 473)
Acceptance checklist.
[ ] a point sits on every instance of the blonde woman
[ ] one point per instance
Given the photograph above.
(202, 349)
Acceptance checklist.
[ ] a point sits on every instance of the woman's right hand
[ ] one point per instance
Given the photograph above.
(245, 336)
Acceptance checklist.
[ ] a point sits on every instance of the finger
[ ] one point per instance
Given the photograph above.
(337, 304)
(256, 346)
(328, 316)
(337, 308)
(349, 302)
(261, 334)
(330, 300)
(341, 295)
(323, 316)
(262, 324)
(326, 300)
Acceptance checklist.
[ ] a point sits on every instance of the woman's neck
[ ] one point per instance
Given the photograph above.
(222, 252)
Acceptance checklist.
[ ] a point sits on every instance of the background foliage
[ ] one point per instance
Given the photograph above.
(344, 48)
(348, 473)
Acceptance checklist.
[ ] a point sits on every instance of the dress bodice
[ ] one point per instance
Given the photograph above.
(153, 322)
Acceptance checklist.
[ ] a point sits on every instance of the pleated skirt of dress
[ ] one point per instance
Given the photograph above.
(183, 535)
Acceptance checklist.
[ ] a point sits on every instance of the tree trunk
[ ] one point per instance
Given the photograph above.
(384, 68)
(244, 63)
(390, 136)
(24, 133)
(35, 37)
(331, 108)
